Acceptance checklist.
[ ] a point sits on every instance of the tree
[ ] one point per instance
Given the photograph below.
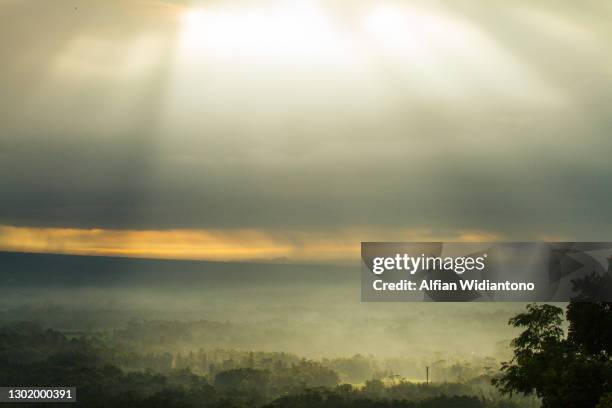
(590, 321)
(573, 371)
(605, 401)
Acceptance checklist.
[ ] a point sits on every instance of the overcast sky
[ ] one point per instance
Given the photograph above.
(296, 120)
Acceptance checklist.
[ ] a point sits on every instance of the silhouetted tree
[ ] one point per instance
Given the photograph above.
(573, 371)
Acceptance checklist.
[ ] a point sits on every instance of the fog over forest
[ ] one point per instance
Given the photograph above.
(242, 335)
(313, 311)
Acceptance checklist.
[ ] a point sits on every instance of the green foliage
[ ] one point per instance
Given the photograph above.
(536, 351)
(573, 371)
(590, 329)
(605, 401)
(104, 374)
(322, 398)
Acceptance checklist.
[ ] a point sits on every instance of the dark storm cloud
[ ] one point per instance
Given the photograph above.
(108, 122)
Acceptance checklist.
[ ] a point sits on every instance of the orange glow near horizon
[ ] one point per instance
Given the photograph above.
(216, 245)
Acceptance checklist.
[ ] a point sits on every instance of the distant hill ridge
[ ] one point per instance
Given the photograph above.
(30, 269)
